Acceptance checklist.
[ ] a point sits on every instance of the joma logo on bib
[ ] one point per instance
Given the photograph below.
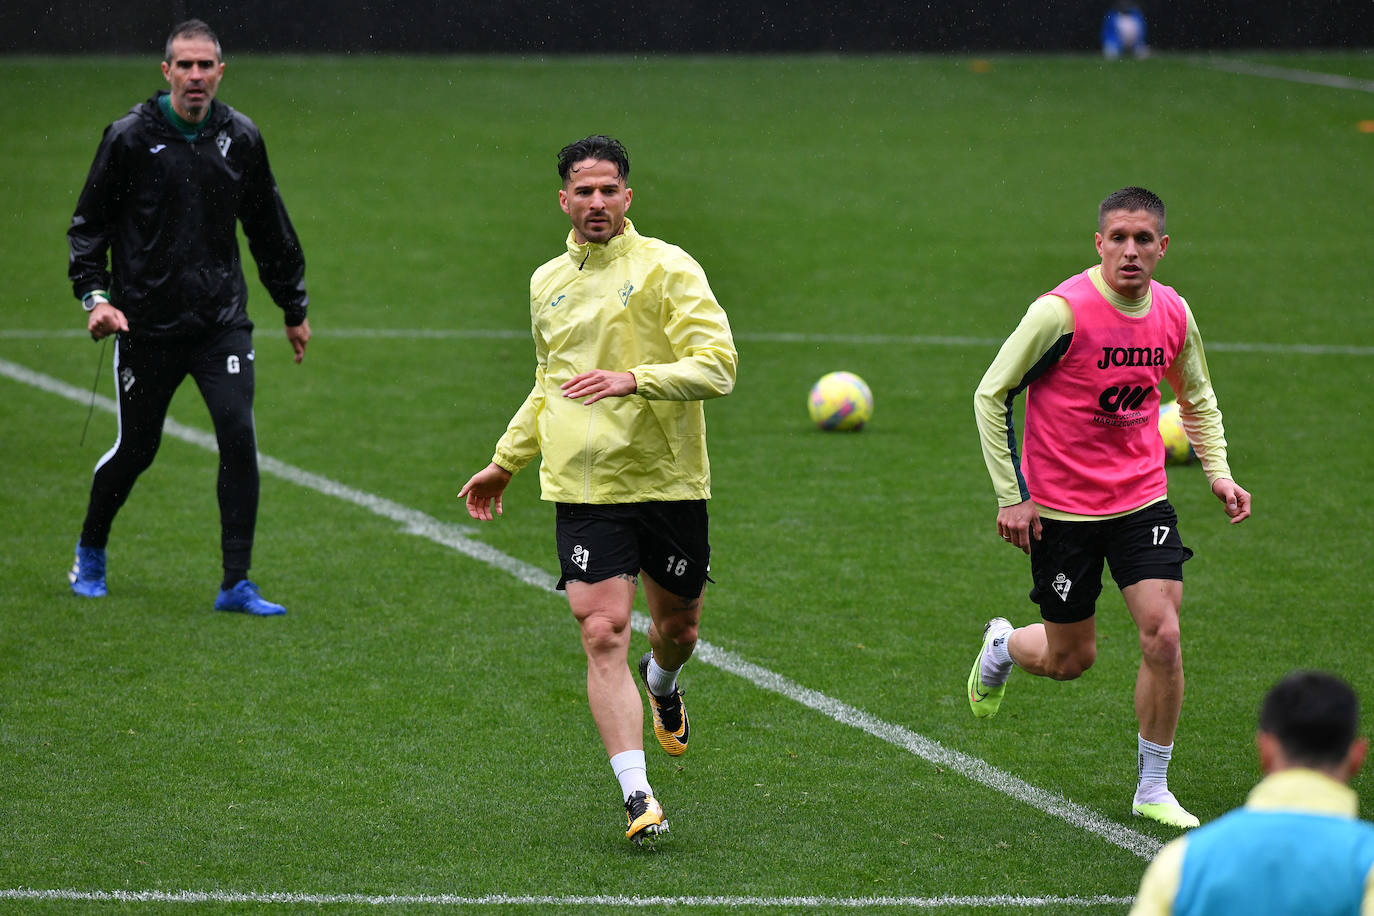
(1131, 356)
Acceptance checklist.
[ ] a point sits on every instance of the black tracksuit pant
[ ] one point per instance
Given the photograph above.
(148, 371)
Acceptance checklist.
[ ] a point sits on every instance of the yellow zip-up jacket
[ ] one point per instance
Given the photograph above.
(633, 304)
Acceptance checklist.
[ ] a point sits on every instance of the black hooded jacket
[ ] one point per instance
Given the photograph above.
(165, 210)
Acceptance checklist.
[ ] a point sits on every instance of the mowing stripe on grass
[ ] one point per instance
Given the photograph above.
(930, 903)
(457, 537)
(1291, 74)
(909, 340)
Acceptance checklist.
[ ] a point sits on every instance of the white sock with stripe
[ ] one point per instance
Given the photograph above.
(629, 768)
(1152, 769)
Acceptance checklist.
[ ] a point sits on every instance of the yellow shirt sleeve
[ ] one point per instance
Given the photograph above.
(699, 334)
(1159, 886)
(520, 443)
(1197, 403)
(1029, 350)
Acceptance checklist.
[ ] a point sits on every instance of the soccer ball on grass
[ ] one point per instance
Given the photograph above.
(840, 401)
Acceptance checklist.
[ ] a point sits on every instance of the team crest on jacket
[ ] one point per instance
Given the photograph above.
(223, 141)
(625, 293)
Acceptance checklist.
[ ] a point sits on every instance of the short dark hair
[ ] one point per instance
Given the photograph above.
(1313, 715)
(1132, 198)
(191, 28)
(597, 146)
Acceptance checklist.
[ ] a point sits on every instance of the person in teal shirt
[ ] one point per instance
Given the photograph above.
(1297, 845)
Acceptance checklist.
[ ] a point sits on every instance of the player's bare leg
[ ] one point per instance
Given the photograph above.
(673, 625)
(1062, 651)
(1154, 605)
(673, 637)
(603, 611)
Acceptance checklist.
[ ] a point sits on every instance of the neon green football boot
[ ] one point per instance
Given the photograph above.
(983, 699)
(1169, 813)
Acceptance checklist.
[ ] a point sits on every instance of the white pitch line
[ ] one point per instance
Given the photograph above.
(457, 537)
(880, 340)
(1290, 74)
(971, 768)
(620, 902)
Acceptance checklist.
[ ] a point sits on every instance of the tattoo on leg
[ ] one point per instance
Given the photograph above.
(631, 578)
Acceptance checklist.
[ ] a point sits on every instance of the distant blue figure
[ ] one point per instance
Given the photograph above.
(1123, 31)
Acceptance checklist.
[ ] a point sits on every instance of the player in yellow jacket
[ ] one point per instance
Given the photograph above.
(629, 340)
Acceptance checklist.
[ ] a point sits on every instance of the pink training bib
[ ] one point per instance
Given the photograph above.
(1092, 444)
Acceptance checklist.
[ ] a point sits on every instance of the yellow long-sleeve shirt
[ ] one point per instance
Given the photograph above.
(1038, 341)
(633, 304)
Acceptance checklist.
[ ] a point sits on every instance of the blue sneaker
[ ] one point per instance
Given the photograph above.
(246, 598)
(87, 575)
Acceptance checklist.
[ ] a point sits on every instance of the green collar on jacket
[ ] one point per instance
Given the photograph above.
(182, 126)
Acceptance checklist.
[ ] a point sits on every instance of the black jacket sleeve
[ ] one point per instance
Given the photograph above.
(88, 236)
(272, 239)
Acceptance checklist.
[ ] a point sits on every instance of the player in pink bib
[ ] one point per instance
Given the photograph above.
(1092, 444)
(1090, 491)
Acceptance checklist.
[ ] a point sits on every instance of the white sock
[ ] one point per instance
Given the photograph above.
(996, 666)
(662, 682)
(628, 767)
(1152, 771)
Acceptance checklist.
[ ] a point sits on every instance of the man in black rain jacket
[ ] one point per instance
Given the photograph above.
(170, 181)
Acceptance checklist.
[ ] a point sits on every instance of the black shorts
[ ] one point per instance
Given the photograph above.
(667, 541)
(1066, 563)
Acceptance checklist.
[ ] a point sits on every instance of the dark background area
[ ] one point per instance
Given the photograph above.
(548, 27)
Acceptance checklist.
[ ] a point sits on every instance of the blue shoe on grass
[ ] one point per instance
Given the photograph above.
(246, 599)
(87, 575)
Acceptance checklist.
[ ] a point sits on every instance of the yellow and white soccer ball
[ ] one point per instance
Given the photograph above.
(1177, 448)
(840, 400)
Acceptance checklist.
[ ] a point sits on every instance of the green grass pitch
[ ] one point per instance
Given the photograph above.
(416, 726)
